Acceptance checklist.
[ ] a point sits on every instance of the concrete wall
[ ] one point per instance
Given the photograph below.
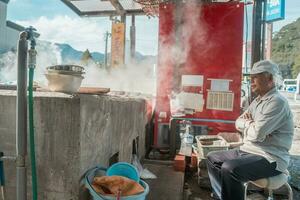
(73, 133)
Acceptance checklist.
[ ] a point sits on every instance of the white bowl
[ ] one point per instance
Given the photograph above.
(63, 82)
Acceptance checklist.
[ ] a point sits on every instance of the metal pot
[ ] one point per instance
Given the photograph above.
(66, 69)
(69, 68)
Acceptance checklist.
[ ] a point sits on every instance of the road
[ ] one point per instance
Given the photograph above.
(294, 167)
(295, 104)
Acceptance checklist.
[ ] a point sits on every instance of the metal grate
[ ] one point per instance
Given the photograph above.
(130, 5)
(151, 7)
(220, 100)
(104, 7)
(92, 5)
(150, 2)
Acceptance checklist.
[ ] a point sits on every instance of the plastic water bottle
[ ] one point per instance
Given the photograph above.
(187, 140)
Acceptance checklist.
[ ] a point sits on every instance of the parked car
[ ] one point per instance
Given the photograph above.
(289, 85)
(291, 89)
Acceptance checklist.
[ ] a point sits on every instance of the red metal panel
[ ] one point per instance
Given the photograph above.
(165, 64)
(211, 40)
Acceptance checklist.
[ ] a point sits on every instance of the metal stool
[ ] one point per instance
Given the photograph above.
(272, 183)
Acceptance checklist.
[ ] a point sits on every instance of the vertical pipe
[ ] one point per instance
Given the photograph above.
(21, 118)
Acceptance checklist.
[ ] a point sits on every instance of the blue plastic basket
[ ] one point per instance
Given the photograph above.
(124, 169)
(96, 196)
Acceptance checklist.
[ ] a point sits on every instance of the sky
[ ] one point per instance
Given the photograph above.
(57, 23)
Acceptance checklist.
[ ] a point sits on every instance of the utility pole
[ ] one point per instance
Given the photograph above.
(107, 34)
(132, 38)
(269, 40)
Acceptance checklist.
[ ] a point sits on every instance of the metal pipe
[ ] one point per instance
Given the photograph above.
(21, 129)
(205, 120)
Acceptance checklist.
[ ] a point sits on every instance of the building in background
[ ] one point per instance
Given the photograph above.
(9, 31)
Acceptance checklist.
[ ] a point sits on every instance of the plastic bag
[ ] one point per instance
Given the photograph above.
(144, 173)
(136, 162)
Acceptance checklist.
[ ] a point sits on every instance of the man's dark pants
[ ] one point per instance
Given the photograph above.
(229, 170)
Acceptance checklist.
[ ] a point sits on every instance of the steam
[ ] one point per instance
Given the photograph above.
(8, 67)
(138, 78)
(188, 31)
(189, 27)
(175, 49)
(48, 54)
(134, 77)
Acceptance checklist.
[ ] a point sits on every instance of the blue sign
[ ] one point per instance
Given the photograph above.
(275, 10)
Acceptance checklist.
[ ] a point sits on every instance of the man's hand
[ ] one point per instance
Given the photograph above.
(247, 116)
(244, 121)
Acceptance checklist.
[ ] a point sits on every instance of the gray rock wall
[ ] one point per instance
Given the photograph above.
(73, 133)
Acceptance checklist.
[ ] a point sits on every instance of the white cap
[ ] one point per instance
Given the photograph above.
(264, 66)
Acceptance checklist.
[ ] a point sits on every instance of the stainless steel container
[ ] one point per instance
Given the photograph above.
(66, 68)
(64, 78)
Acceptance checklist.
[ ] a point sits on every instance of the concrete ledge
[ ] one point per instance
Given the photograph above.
(73, 133)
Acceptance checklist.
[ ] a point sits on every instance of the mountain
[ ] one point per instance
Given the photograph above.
(69, 53)
(56, 53)
(286, 49)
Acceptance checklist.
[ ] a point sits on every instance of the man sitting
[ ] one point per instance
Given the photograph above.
(267, 127)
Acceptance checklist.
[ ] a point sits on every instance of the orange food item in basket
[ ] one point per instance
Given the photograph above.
(112, 185)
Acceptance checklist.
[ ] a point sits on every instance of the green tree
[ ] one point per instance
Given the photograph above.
(296, 66)
(86, 57)
(286, 48)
